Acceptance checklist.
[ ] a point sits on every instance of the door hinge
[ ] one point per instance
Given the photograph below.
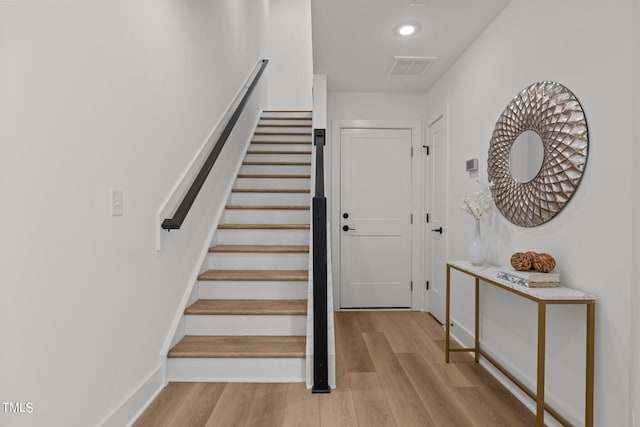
(411, 218)
(427, 218)
(412, 151)
(411, 286)
(427, 285)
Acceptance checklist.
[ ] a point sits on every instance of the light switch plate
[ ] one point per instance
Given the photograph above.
(116, 202)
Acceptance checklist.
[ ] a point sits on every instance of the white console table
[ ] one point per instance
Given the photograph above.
(543, 297)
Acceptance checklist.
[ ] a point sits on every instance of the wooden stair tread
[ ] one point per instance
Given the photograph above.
(256, 275)
(278, 176)
(283, 133)
(282, 142)
(268, 207)
(276, 163)
(286, 118)
(271, 190)
(264, 226)
(277, 152)
(287, 111)
(276, 249)
(237, 347)
(290, 125)
(297, 307)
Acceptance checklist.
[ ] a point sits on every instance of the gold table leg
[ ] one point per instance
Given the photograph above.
(448, 315)
(591, 326)
(542, 327)
(477, 343)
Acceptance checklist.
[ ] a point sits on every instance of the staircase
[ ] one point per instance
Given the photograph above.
(247, 320)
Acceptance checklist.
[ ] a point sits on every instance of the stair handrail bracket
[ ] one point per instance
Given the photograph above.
(320, 268)
(175, 222)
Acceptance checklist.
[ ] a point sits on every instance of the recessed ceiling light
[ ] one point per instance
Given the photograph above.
(407, 29)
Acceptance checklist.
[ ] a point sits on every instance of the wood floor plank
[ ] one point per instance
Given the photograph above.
(501, 400)
(197, 408)
(337, 409)
(369, 400)
(248, 307)
(435, 395)
(342, 375)
(165, 405)
(356, 355)
(233, 406)
(268, 405)
(302, 407)
(404, 402)
(477, 408)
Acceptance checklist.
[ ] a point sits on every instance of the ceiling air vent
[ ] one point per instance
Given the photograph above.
(410, 65)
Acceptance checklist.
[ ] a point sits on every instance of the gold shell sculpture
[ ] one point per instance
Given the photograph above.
(522, 261)
(544, 263)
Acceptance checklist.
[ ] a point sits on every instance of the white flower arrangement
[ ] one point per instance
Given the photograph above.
(482, 204)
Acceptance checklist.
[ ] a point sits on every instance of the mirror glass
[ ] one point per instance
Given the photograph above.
(526, 156)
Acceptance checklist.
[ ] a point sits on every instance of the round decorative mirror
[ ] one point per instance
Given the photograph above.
(526, 156)
(537, 154)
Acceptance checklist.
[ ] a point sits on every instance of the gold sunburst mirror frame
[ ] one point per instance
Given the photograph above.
(554, 113)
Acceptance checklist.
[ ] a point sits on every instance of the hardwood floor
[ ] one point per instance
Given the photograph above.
(390, 372)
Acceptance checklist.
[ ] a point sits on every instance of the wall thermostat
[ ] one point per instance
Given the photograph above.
(472, 165)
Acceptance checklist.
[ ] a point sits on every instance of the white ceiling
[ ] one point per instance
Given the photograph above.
(354, 43)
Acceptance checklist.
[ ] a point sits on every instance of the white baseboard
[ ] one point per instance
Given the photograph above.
(466, 339)
(134, 405)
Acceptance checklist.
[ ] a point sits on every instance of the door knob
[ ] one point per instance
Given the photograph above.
(347, 228)
(438, 230)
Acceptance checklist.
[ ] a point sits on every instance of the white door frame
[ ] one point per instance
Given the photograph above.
(417, 229)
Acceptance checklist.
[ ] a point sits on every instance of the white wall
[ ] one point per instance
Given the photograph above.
(290, 52)
(94, 96)
(635, 285)
(591, 238)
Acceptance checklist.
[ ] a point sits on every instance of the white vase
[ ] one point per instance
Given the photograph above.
(477, 251)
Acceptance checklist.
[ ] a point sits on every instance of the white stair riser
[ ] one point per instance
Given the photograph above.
(263, 237)
(281, 147)
(257, 261)
(286, 122)
(252, 290)
(236, 370)
(276, 169)
(265, 216)
(228, 325)
(300, 127)
(268, 183)
(277, 157)
(288, 199)
(271, 135)
(275, 113)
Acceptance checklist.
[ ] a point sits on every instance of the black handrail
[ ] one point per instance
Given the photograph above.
(180, 214)
(320, 335)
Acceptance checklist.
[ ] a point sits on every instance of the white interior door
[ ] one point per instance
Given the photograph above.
(434, 234)
(375, 201)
